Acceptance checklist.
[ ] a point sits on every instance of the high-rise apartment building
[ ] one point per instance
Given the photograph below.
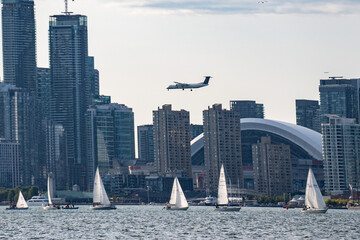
(93, 78)
(248, 109)
(17, 124)
(146, 142)
(222, 145)
(272, 168)
(110, 137)
(308, 114)
(341, 151)
(340, 97)
(70, 95)
(19, 43)
(10, 175)
(172, 142)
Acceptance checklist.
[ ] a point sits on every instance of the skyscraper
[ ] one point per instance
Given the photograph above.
(44, 90)
(248, 109)
(341, 151)
(222, 145)
(308, 114)
(272, 168)
(340, 97)
(110, 137)
(172, 142)
(17, 124)
(70, 95)
(146, 142)
(19, 48)
(93, 78)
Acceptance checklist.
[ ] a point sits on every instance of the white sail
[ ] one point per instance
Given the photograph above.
(21, 203)
(313, 197)
(99, 193)
(181, 201)
(222, 191)
(174, 192)
(49, 190)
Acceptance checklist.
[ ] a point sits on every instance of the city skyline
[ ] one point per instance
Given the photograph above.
(145, 53)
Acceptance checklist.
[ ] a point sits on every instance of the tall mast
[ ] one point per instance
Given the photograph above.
(67, 8)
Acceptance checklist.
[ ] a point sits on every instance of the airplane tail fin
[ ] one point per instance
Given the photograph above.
(207, 79)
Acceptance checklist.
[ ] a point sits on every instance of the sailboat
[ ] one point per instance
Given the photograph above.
(223, 200)
(314, 201)
(20, 205)
(50, 190)
(177, 198)
(100, 198)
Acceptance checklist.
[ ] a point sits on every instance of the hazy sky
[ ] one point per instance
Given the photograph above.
(272, 52)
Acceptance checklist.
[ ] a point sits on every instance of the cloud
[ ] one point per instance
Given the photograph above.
(242, 6)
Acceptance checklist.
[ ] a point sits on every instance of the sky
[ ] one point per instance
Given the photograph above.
(272, 52)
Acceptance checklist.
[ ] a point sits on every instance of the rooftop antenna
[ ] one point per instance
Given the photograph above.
(67, 8)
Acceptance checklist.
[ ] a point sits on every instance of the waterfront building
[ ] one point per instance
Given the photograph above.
(146, 142)
(110, 137)
(340, 97)
(222, 145)
(341, 150)
(196, 130)
(272, 168)
(18, 124)
(56, 154)
(172, 142)
(70, 97)
(248, 109)
(19, 44)
(10, 175)
(308, 114)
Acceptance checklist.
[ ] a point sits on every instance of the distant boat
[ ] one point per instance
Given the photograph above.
(314, 201)
(50, 205)
(177, 198)
(37, 201)
(100, 198)
(20, 205)
(222, 199)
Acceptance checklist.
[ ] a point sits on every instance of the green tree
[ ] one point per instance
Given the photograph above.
(11, 194)
(33, 191)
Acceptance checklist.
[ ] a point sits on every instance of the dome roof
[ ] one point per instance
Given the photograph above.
(305, 138)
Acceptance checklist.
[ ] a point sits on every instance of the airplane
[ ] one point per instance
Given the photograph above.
(190, 86)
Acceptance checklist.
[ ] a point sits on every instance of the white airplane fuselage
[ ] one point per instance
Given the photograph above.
(187, 86)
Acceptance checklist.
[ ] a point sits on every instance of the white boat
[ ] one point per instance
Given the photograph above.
(20, 205)
(37, 201)
(100, 198)
(50, 187)
(177, 198)
(314, 201)
(222, 199)
(210, 201)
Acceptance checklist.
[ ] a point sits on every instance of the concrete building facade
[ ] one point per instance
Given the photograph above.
(222, 145)
(172, 142)
(272, 168)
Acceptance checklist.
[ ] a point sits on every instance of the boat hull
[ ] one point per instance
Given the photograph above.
(177, 208)
(102, 207)
(227, 209)
(50, 208)
(70, 208)
(314, 211)
(17, 208)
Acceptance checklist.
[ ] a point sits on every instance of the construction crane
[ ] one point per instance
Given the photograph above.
(66, 8)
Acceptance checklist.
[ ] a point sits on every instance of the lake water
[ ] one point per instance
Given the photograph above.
(151, 222)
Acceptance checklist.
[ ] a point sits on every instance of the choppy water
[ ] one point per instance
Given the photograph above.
(151, 222)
